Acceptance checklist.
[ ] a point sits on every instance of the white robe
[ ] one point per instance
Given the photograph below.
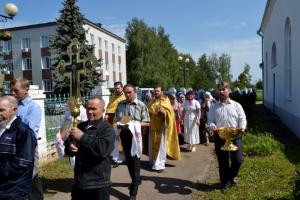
(191, 129)
(161, 159)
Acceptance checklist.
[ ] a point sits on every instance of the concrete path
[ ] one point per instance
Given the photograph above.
(177, 182)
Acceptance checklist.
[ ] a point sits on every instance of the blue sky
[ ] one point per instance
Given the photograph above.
(194, 26)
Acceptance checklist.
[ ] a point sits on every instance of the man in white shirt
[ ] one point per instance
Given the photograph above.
(227, 113)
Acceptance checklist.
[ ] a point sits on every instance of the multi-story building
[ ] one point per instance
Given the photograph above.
(28, 54)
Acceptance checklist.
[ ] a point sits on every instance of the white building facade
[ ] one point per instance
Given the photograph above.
(28, 54)
(280, 29)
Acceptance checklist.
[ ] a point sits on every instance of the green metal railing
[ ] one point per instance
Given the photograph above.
(55, 109)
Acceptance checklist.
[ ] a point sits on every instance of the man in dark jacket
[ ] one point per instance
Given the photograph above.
(17, 148)
(94, 142)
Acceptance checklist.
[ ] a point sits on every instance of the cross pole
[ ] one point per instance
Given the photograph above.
(74, 68)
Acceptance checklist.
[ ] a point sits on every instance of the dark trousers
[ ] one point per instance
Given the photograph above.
(133, 162)
(226, 171)
(36, 192)
(90, 194)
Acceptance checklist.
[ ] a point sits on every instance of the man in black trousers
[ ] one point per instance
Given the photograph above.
(92, 143)
(135, 111)
(227, 113)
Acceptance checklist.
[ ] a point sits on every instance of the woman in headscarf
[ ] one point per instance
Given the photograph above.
(177, 107)
(192, 114)
(205, 105)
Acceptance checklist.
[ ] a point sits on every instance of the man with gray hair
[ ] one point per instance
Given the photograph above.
(17, 148)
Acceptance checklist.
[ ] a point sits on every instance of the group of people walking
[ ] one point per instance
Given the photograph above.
(103, 137)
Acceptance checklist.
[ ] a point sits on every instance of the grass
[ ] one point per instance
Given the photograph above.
(261, 177)
(265, 177)
(56, 176)
(259, 95)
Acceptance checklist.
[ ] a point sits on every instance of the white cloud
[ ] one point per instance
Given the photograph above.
(241, 52)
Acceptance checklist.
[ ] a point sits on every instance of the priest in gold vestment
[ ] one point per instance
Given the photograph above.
(115, 99)
(163, 138)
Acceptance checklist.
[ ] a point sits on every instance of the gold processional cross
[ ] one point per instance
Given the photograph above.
(74, 69)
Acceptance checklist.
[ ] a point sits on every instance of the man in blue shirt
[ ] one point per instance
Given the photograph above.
(31, 114)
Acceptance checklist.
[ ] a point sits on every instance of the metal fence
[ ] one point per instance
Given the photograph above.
(55, 109)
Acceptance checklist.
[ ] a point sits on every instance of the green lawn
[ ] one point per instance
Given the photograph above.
(56, 176)
(271, 177)
(259, 95)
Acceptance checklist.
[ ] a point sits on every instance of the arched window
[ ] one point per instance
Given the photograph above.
(274, 55)
(288, 58)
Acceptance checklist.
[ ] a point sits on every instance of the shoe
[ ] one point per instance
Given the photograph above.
(193, 149)
(223, 190)
(206, 143)
(116, 165)
(160, 171)
(132, 198)
(224, 187)
(234, 181)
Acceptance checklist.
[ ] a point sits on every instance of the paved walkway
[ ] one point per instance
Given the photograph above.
(177, 182)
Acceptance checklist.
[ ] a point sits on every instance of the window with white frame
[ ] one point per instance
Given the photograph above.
(26, 64)
(8, 66)
(288, 58)
(47, 85)
(106, 66)
(45, 41)
(100, 43)
(26, 43)
(92, 39)
(274, 56)
(119, 50)
(106, 45)
(7, 46)
(46, 62)
(119, 66)
(112, 47)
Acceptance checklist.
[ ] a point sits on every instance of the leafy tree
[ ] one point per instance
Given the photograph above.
(70, 25)
(213, 66)
(151, 58)
(259, 84)
(206, 76)
(224, 68)
(244, 79)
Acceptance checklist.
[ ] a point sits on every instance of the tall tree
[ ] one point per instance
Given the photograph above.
(70, 25)
(244, 79)
(213, 65)
(151, 58)
(206, 74)
(224, 68)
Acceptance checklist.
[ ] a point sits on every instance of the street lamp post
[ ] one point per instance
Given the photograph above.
(11, 10)
(186, 60)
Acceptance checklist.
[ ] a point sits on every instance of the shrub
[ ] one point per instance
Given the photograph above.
(260, 145)
(259, 95)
